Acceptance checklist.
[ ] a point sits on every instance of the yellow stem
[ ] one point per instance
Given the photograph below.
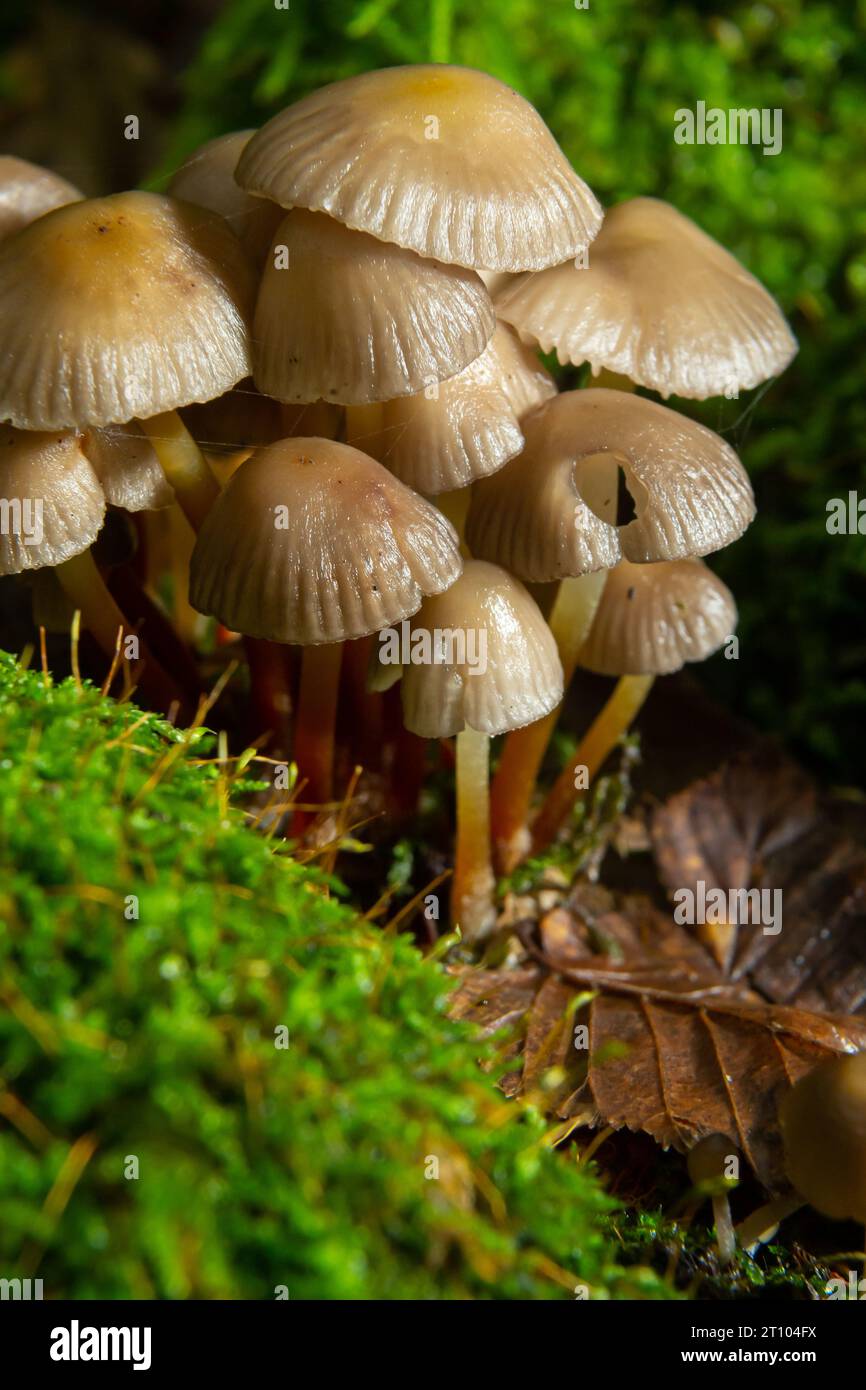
(595, 746)
(570, 620)
(455, 505)
(183, 464)
(472, 906)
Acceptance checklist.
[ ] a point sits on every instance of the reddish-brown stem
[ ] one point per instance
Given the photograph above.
(316, 718)
(270, 693)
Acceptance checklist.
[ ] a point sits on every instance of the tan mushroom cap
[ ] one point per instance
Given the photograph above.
(313, 541)
(123, 459)
(352, 319)
(27, 191)
(823, 1119)
(659, 302)
(652, 619)
(463, 428)
(488, 660)
(51, 500)
(550, 513)
(446, 161)
(207, 178)
(120, 307)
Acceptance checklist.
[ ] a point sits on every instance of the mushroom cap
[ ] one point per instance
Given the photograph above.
(466, 427)
(123, 459)
(652, 619)
(508, 677)
(49, 478)
(312, 541)
(660, 302)
(120, 307)
(446, 161)
(207, 178)
(27, 192)
(240, 419)
(823, 1119)
(547, 514)
(352, 319)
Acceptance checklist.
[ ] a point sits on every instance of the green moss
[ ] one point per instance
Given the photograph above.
(153, 1037)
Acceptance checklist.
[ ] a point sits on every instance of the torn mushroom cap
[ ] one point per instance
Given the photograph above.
(659, 302)
(482, 658)
(652, 619)
(27, 192)
(138, 304)
(551, 512)
(446, 161)
(54, 501)
(343, 317)
(823, 1121)
(207, 178)
(127, 467)
(464, 428)
(313, 541)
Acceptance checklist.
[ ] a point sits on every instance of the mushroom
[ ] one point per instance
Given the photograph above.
(138, 305)
(126, 464)
(551, 514)
(52, 508)
(206, 178)
(452, 433)
(709, 1163)
(650, 620)
(314, 543)
(343, 317)
(445, 161)
(823, 1119)
(482, 662)
(659, 302)
(27, 192)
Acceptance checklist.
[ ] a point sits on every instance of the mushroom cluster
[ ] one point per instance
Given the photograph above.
(321, 347)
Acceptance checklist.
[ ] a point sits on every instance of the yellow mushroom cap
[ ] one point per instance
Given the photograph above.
(659, 302)
(312, 541)
(120, 307)
(652, 619)
(446, 161)
(123, 459)
(551, 512)
(463, 428)
(343, 317)
(823, 1120)
(27, 192)
(51, 503)
(207, 178)
(485, 659)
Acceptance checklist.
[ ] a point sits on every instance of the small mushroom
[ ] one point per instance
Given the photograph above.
(483, 662)
(446, 161)
(207, 179)
(660, 302)
(343, 317)
(314, 543)
(126, 464)
(823, 1119)
(27, 191)
(712, 1164)
(650, 621)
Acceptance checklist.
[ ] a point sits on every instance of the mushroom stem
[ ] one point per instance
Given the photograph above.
(511, 794)
(317, 713)
(183, 464)
(84, 586)
(270, 691)
(599, 740)
(472, 906)
(724, 1228)
(455, 506)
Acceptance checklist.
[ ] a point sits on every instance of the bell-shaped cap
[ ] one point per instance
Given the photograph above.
(551, 512)
(481, 657)
(51, 501)
(123, 459)
(313, 541)
(823, 1120)
(119, 308)
(464, 428)
(27, 191)
(207, 178)
(652, 619)
(446, 161)
(343, 317)
(660, 302)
